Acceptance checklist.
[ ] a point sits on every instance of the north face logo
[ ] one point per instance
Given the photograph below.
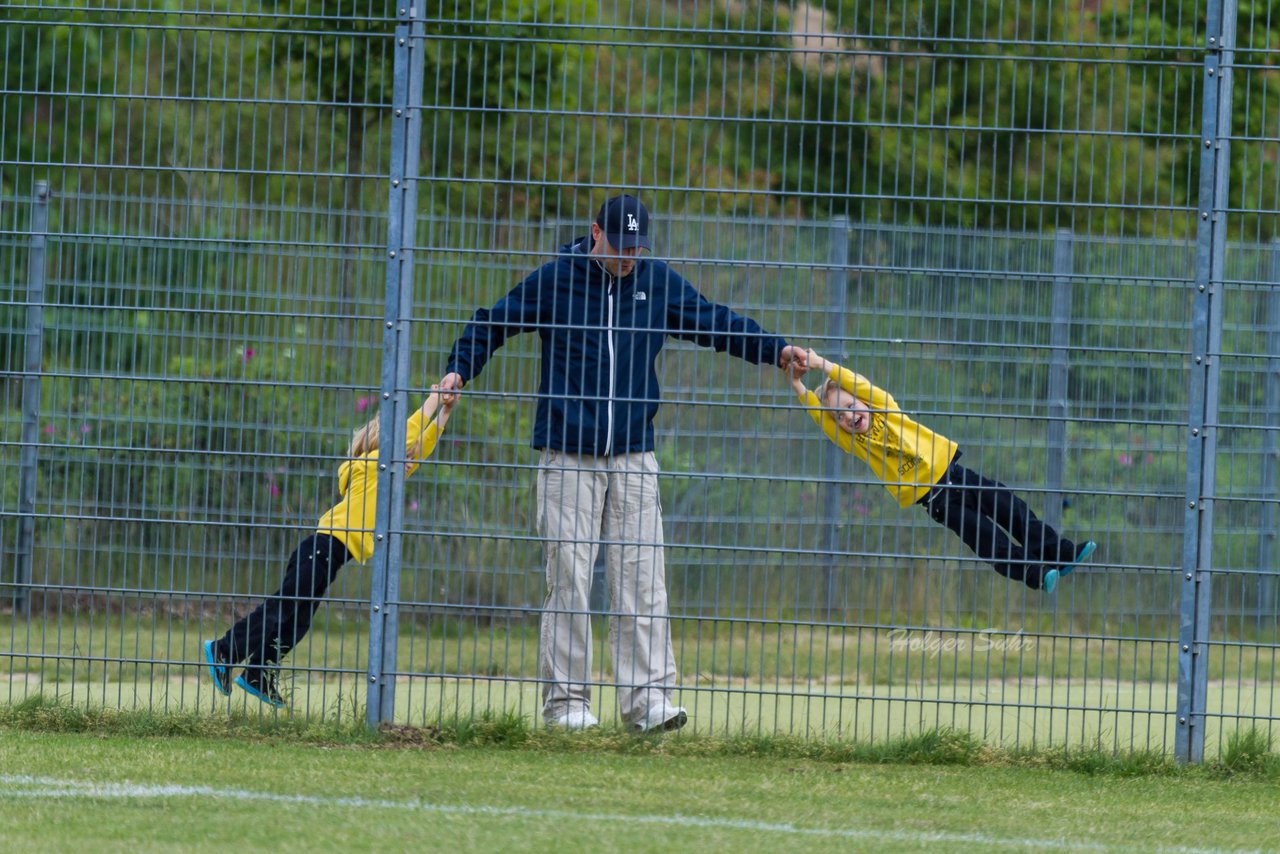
(633, 224)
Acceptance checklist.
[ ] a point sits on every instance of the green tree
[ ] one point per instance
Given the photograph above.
(46, 70)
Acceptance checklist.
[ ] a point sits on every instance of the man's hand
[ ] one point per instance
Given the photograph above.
(793, 360)
(450, 383)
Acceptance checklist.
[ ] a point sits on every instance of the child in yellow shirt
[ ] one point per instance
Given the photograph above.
(919, 466)
(344, 533)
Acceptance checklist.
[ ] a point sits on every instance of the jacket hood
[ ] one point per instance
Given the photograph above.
(579, 253)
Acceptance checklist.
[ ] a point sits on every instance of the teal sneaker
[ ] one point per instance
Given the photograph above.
(1049, 583)
(1086, 552)
(218, 668)
(261, 683)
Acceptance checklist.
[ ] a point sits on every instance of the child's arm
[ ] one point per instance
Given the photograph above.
(825, 420)
(423, 435)
(441, 404)
(877, 399)
(438, 403)
(430, 405)
(814, 362)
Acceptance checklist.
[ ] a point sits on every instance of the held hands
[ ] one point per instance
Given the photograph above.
(449, 383)
(851, 414)
(792, 360)
(438, 405)
(816, 362)
(797, 362)
(447, 401)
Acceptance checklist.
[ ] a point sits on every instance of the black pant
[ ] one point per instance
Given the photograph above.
(989, 518)
(274, 628)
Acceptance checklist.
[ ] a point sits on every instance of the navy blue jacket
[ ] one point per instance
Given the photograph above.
(600, 338)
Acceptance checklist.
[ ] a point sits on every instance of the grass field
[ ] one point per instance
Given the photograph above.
(117, 788)
(734, 680)
(1054, 714)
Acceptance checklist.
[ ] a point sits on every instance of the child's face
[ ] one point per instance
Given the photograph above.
(852, 415)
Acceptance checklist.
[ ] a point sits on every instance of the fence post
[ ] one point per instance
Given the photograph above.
(406, 131)
(838, 294)
(1059, 363)
(1265, 609)
(1206, 347)
(31, 372)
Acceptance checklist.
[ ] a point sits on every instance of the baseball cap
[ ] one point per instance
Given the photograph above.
(625, 222)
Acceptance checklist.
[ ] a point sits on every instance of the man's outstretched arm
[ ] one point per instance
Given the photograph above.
(692, 317)
(519, 311)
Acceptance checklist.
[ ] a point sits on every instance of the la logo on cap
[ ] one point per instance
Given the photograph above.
(633, 224)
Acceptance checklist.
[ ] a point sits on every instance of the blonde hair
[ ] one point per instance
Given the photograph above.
(365, 441)
(829, 388)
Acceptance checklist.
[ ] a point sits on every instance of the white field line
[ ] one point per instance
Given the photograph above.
(39, 788)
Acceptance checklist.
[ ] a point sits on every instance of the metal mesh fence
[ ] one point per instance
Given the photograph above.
(1049, 232)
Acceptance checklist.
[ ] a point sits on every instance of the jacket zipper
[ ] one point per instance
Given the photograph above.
(608, 442)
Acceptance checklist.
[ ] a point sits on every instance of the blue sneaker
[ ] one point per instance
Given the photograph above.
(261, 683)
(218, 669)
(1086, 552)
(1049, 583)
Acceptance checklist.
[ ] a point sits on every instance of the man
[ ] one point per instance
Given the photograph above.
(603, 313)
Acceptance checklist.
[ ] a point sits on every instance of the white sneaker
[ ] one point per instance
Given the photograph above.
(576, 719)
(663, 717)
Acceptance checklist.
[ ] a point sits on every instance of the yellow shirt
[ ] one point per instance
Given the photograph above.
(909, 458)
(351, 520)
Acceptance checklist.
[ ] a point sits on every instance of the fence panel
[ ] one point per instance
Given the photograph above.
(1241, 642)
(210, 326)
(992, 211)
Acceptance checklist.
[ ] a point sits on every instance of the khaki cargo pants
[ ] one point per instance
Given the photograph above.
(585, 502)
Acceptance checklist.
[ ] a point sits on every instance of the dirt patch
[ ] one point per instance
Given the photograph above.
(397, 735)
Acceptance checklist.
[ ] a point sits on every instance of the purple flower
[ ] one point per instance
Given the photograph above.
(47, 429)
(248, 353)
(85, 429)
(362, 403)
(1125, 460)
(274, 490)
(413, 505)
